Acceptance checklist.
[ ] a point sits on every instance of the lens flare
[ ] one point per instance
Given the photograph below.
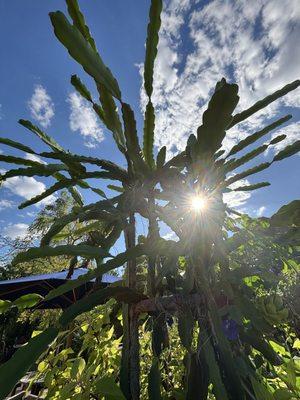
(198, 203)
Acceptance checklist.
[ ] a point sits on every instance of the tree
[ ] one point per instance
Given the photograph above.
(197, 268)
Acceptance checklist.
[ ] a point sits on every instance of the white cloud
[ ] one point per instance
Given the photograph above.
(237, 199)
(33, 157)
(261, 211)
(292, 133)
(27, 187)
(252, 43)
(4, 204)
(83, 119)
(14, 231)
(41, 106)
(171, 236)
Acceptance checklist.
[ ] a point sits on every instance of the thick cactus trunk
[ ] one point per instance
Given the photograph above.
(130, 368)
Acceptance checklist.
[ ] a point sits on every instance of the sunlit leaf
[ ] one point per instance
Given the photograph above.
(27, 301)
(4, 306)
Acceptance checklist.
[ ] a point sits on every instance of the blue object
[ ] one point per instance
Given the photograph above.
(230, 328)
(43, 283)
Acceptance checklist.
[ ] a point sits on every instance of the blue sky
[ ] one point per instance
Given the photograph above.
(252, 43)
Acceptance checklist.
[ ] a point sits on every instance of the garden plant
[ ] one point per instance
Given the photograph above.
(201, 317)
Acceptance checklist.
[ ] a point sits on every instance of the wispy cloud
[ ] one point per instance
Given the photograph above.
(41, 106)
(261, 211)
(237, 199)
(14, 231)
(83, 119)
(292, 133)
(33, 157)
(4, 204)
(252, 43)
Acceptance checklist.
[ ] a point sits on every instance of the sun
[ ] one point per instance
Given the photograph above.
(198, 203)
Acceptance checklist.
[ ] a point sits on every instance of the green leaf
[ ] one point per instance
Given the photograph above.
(186, 323)
(68, 250)
(18, 160)
(278, 348)
(4, 306)
(161, 157)
(100, 112)
(81, 88)
(251, 187)
(177, 161)
(94, 226)
(16, 367)
(154, 381)
(42, 135)
(257, 135)
(66, 183)
(60, 223)
(233, 164)
(283, 394)
(74, 158)
(288, 151)
(79, 22)
(151, 52)
(17, 145)
(264, 103)
(132, 141)
(38, 170)
(151, 44)
(83, 53)
(119, 189)
(277, 139)
(257, 341)
(106, 386)
(287, 215)
(197, 382)
(227, 360)
(158, 335)
(219, 389)
(77, 368)
(212, 131)
(27, 301)
(260, 390)
(246, 173)
(149, 126)
(296, 344)
(252, 313)
(111, 116)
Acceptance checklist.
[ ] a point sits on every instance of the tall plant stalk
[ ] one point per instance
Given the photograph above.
(193, 271)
